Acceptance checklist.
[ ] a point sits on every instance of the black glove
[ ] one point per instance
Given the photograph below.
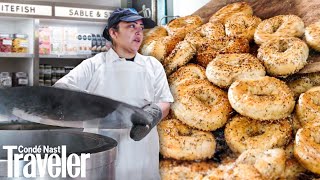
(153, 113)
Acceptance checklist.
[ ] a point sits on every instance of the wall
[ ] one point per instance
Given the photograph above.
(183, 7)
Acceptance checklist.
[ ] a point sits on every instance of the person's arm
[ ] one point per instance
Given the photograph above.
(163, 97)
(165, 107)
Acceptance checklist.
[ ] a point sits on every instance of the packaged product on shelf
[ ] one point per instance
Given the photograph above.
(94, 44)
(56, 48)
(44, 40)
(62, 72)
(41, 71)
(41, 82)
(20, 79)
(59, 72)
(20, 43)
(47, 72)
(5, 80)
(70, 48)
(68, 69)
(84, 43)
(88, 43)
(70, 41)
(57, 37)
(5, 43)
(54, 78)
(99, 43)
(47, 82)
(80, 44)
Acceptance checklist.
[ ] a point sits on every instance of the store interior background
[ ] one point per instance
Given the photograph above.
(35, 64)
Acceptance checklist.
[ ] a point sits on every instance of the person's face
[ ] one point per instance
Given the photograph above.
(129, 35)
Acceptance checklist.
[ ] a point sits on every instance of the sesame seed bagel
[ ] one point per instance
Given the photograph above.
(307, 147)
(160, 47)
(234, 9)
(243, 133)
(181, 55)
(183, 25)
(278, 27)
(209, 50)
(153, 34)
(186, 170)
(308, 106)
(227, 68)
(312, 35)
(181, 142)
(205, 32)
(187, 72)
(242, 26)
(283, 56)
(201, 105)
(263, 98)
(270, 163)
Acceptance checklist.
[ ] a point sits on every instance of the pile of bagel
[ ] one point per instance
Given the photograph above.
(269, 115)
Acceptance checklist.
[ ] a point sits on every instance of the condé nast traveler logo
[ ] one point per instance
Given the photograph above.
(44, 160)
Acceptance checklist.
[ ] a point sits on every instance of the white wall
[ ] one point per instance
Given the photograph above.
(187, 7)
(111, 3)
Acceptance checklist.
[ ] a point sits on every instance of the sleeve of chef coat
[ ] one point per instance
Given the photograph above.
(161, 86)
(79, 77)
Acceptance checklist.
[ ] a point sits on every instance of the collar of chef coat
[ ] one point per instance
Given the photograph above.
(114, 57)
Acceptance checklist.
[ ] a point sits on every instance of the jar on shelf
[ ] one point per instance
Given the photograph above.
(20, 43)
(68, 69)
(20, 79)
(5, 80)
(5, 43)
(41, 71)
(47, 72)
(47, 82)
(41, 82)
(54, 76)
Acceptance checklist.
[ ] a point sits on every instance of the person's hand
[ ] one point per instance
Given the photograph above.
(151, 116)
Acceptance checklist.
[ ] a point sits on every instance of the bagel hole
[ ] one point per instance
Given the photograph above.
(283, 46)
(206, 100)
(254, 132)
(184, 131)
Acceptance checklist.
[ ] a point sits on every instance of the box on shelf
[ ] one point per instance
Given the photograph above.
(20, 43)
(6, 42)
(20, 79)
(5, 79)
(44, 40)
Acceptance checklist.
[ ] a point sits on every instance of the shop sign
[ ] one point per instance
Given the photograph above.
(25, 9)
(81, 12)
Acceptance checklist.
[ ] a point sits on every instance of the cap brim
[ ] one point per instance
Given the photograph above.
(147, 22)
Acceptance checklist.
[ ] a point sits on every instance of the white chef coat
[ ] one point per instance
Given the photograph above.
(138, 83)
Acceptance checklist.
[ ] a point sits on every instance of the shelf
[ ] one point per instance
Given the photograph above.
(55, 56)
(16, 55)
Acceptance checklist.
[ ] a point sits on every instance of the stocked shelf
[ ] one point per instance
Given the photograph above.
(50, 36)
(56, 56)
(16, 55)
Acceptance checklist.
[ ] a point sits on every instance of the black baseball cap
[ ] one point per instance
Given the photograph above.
(127, 15)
